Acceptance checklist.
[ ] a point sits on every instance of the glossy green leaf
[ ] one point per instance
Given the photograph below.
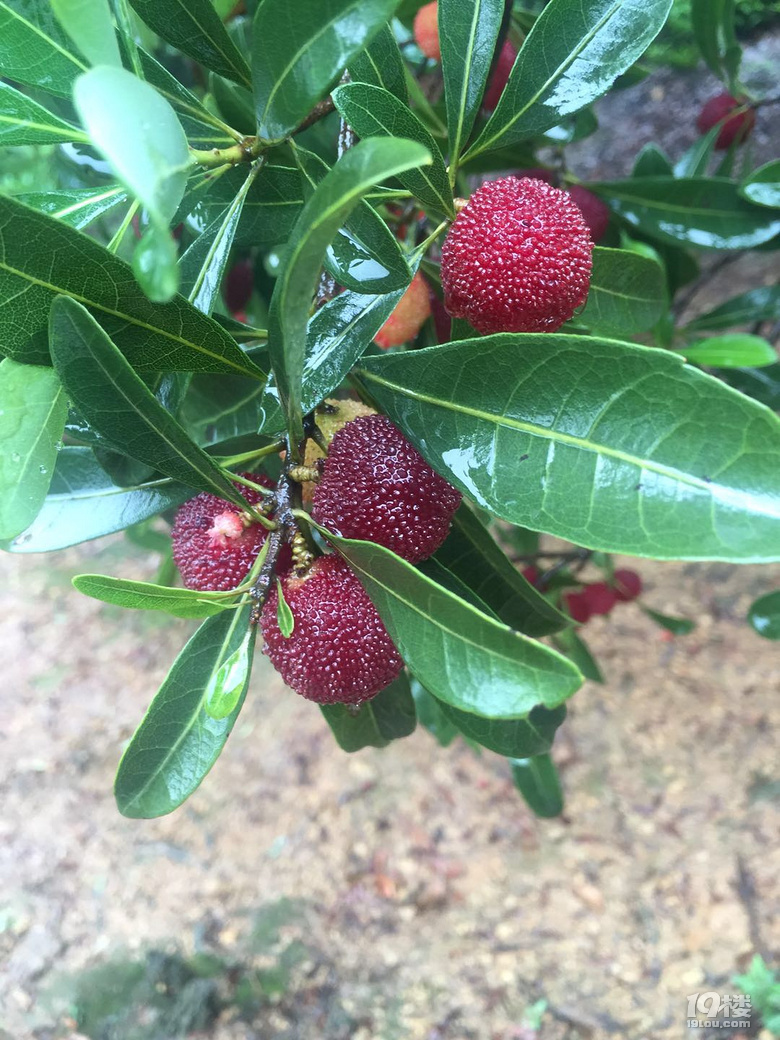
(41, 257)
(571, 645)
(77, 207)
(652, 161)
(371, 112)
(764, 615)
(90, 25)
(381, 64)
(24, 121)
(274, 203)
(141, 595)
(235, 103)
(221, 408)
(473, 556)
(762, 384)
(609, 445)
(761, 304)
(676, 625)
(430, 715)
(337, 335)
(713, 30)
(537, 781)
(513, 738)
(461, 655)
(388, 716)
(117, 402)
(299, 51)
(204, 263)
(573, 54)
(334, 199)
(365, 256)
(705, 212)
(627, 292)
(138, 132)
(284, 616)
(227, 684)
(83, 503)
(196, 29)
(467, 35)
(177, 742)
(33, 410)
(695, 160)
(34, 49)
(731, 350)
(762, 187)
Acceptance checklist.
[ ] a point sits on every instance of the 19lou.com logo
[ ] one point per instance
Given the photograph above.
(718, 1011)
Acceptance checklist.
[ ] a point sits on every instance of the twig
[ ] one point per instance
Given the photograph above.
(276, 539)
(321, 109)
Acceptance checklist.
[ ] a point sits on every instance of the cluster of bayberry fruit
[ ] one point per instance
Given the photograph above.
(600, 597)
(372, 485)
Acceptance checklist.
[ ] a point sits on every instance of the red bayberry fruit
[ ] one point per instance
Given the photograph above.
(738, 128)
(517, 258)
(599, 597)
(628, 585)
(594, 211)
(426, 30)
(238, 286)
(499, 76)
(410, 313)
(214, 543)
(531, 574)
(577, 607)
(339, 651)
(376, 486)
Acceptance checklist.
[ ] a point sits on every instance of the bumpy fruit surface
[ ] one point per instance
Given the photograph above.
(214, 543)
(410, 314)
(426, 30)
(331, 416)
(376, 486)
(339, 651)
(595, 212)
(518, 258)
(628, 585)
(499, 76)
(738, 128)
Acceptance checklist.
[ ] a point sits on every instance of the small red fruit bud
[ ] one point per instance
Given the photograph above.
(599, 597)
(738, 128)
(628, 585)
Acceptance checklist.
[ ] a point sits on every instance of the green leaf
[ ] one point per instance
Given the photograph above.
(299, 51)
(761, 304)
(609, 445)
(90, 26)
(513, 738)
(652, 161)
(24, 121)
(34, 49)
(381, 64)
(196, 29)
(430, 715)
(141, 595)
(337, 335)
(468, 34)
(537, 781)
(554, 75)
(204, 263)
(83, 503)
(473, 556)
(221, 408)
(705, 212)
(41, 257)
(117, 402)
(365, 256)
(627, 292)
(731, 350)
(371, 112)
(461, 655)
(762, 187)
(33, 410)
(387, 717)
(762, 384)
(76, 207)
(676, 625)
(335, 197)
(177, 743)
(284, 616)
(764, 615)
(694, 162)
(227, 684)
(571, 645)
(235, 103)
(713, 30)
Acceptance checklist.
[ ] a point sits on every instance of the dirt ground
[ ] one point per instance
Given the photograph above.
(404, 894)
